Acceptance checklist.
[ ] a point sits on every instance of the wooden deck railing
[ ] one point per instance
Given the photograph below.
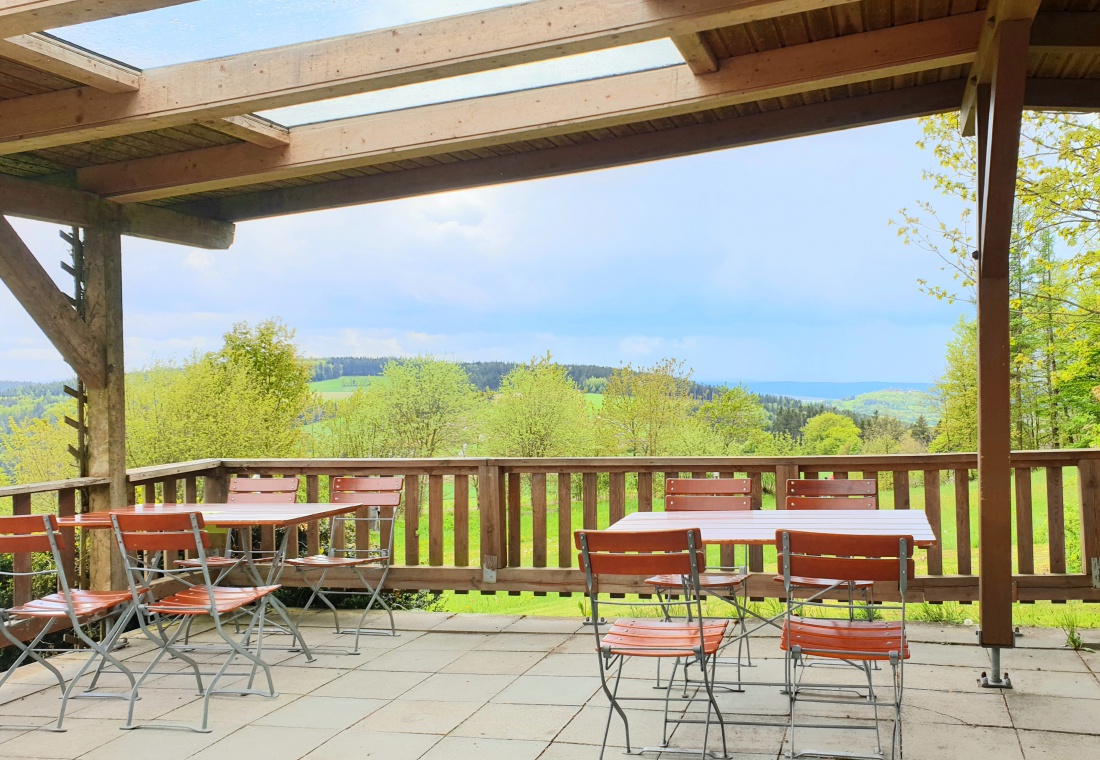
(505, 525)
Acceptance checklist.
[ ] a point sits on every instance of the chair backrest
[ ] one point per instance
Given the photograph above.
(21, 534)
(145, 541)
(263, 490)
(708, 494)
(381, 498)
(371, 492)
(658, 552)
(845, 557)
(813, 493)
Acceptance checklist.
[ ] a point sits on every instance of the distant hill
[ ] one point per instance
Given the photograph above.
(829, 391)
(906, 405)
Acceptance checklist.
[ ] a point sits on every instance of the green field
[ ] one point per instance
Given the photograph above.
(341, 387)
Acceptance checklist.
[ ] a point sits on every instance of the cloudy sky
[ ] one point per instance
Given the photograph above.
(774, 262)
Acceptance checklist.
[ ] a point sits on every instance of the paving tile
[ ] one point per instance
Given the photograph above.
(549, 690)
(455, 641)
(294, 680)
(966, 656)
(475, 623)
(564, 625)
(415, 660)
(461, 687)
(418, 717)
(233, 711)
(822, 741)
(501, 663)
(79, 737)
(1047, 745)
(1055, 684)
(1045, 713)
(524, 642)
(376, 744)
(267, 742)
(321, 712)
(1043, 659)
(587, 728)
(182, 744)
(582, 643)
(451, 747)
(942, 742)
(938, 633)
(976, 708)
(505, 721)
(372, 684)
(567, 664)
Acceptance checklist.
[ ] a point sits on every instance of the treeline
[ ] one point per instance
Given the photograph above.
(23, 401)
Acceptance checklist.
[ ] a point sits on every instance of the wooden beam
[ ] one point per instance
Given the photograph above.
(612, 151)
(697, 53)
(50, 309)
(47, 53)
(1065, 33)
(998, 126)
(290, 75)
(593, 104)
(1063, 94)
(25, 16)
(62, 205)
(252, 129)
(981, 72)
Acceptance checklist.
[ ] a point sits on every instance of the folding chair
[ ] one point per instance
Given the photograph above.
(687, 642)
(728, 584)
(58, 611)
(834, 494)
(381, 498)
(144, 541)
(821, 555)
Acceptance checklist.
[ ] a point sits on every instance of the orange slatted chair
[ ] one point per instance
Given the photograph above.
(818, 494)
(68, 607)
(381, 498)
(695, 641)
(829, 555)
(144, 540)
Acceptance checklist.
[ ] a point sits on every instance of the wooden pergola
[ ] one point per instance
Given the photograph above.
(176, 154)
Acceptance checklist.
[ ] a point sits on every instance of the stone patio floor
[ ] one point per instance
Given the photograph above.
(519, 688)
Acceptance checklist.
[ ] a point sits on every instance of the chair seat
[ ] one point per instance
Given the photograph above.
(845, 639)
(86, 604)
(803, 582)
(706, 581)
(324, 560)
(197, 599)
(213, 561)
(659, 638)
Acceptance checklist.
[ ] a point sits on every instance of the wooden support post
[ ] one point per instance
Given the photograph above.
(107, 405)
(492, 527)
(1000, 110)
(1088, 484)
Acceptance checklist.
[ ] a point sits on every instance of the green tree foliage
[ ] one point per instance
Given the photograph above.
(921, 432)
(538, 412)
(831, 433)
(270, 355)
(36, 450)
(957, 392)
(427, 404)
(645, 410)
(738, 419)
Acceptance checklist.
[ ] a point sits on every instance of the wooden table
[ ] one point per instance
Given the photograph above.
(758, 527)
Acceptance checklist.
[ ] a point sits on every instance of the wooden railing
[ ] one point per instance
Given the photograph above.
(505, 525)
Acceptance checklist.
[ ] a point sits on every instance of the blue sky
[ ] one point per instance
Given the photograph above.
(773, 262)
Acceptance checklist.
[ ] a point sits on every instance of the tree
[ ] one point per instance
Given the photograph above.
(956, 392)
(737, 417)
(644, 407)
(271, 357)
(921, 432)
(426, 403)
(538, 412)
(830, 433)
(36, 450)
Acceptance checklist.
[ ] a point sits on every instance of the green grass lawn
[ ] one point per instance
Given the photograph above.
(341, 387)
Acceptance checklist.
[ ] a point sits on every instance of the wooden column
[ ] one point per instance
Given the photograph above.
(107, 405)
(1000, 108)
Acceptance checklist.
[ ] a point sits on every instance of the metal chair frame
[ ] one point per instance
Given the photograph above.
(34, 533)
(692, 642)
(143, 541)
(878, 558)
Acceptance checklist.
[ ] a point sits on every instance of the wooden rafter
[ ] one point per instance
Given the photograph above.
(252, 129)
(50, 309)
(284, 76)
(1064, 33)
(62, 205)
(981, 72)
(47, 53)
(612, 151)
(25, 16)
(696, 53)
(592, 104)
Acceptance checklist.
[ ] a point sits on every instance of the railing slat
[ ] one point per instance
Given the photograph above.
(21, 563)
(1025, 533)
(962, 520)
(616, 497)
(589, 500)
(756, 553)
(462, 520)
(66, 507)
(515, 534)
(412, 520)
(313, 527)
(538, 519)
(901, 490)
(1088, 485)
(933, 513)
(840, 476)
(645, 491)
(435, 520)
(565, 519)
(1056, 520)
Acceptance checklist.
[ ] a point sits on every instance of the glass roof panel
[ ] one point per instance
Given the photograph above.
(602, 63)
(216, 28)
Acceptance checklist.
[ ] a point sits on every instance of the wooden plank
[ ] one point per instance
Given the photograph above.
(50, 309)
(412, 520)
(462, 520)
(784, 471)
(313, 528)
(21, 563)
(590, 500)
(488, 508)
(756, 553)
(933, 512)
(191, 490)
(616, 497)
(565, 520)
(1088, 484)
(1025, 534)
(368, 61)
(530, 114)
(47, 53)
(901, 490)
(63, 205)
(962, 520)
(515, 514)
(435, 520)
(1065, 33)
(538, 519)
(645, 491)
(66, 507)
(25, 16)
(253, 129)
(1056, 520)
(696, 53)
